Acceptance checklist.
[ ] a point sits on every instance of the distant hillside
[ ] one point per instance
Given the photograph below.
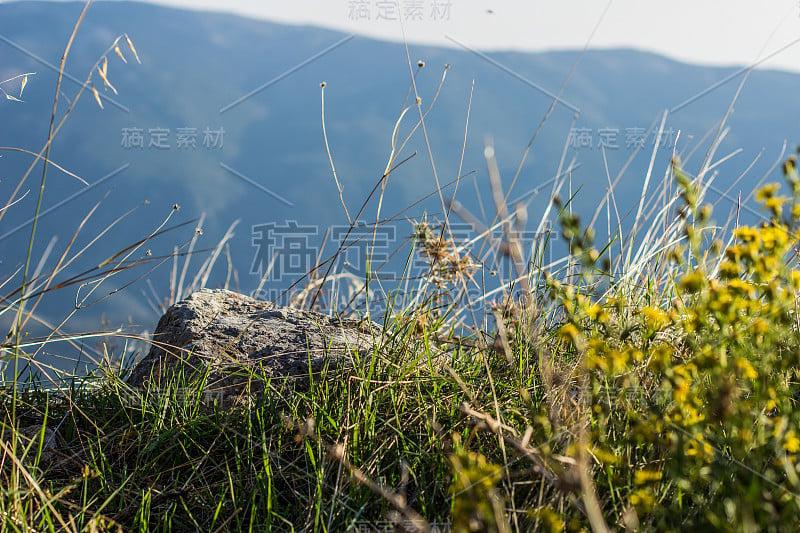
(263, 160)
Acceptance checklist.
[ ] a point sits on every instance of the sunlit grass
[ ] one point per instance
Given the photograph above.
(648, 383)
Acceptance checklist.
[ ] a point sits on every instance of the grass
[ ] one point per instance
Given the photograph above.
(646, 384)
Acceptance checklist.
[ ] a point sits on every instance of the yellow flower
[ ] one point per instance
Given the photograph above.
(551, 520)
(698, 447)
(570, 333)
(759, 326)
(605, 457)
(655, 319)
(642, 499)
(619, 361)
(747, 234)
(686, 415)
(729, 269)
(742, 286)
(767, 191)
(775, 204)
(597, 314)
(596, 361)
(795, 277)
(774, 237)
(747, 370)
(692, 282)
(641, 477)
(680, 390)
(791, 443)
(771, 404)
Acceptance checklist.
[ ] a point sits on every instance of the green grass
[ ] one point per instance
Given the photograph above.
(646, 384)
(603, 410)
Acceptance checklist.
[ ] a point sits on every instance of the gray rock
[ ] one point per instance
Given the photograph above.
(236, 343)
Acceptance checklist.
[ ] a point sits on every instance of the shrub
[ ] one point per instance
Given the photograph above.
(691, 418)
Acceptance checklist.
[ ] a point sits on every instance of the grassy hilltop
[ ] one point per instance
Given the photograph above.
(660, 398)
(647, 382)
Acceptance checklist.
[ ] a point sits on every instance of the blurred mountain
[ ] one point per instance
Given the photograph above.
(228, 114)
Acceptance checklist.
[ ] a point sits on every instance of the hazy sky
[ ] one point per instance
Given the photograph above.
(702, 31)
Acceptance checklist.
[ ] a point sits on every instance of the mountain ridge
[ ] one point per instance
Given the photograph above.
(196, 64)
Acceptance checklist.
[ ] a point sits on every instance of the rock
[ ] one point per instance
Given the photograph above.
(233, 341)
